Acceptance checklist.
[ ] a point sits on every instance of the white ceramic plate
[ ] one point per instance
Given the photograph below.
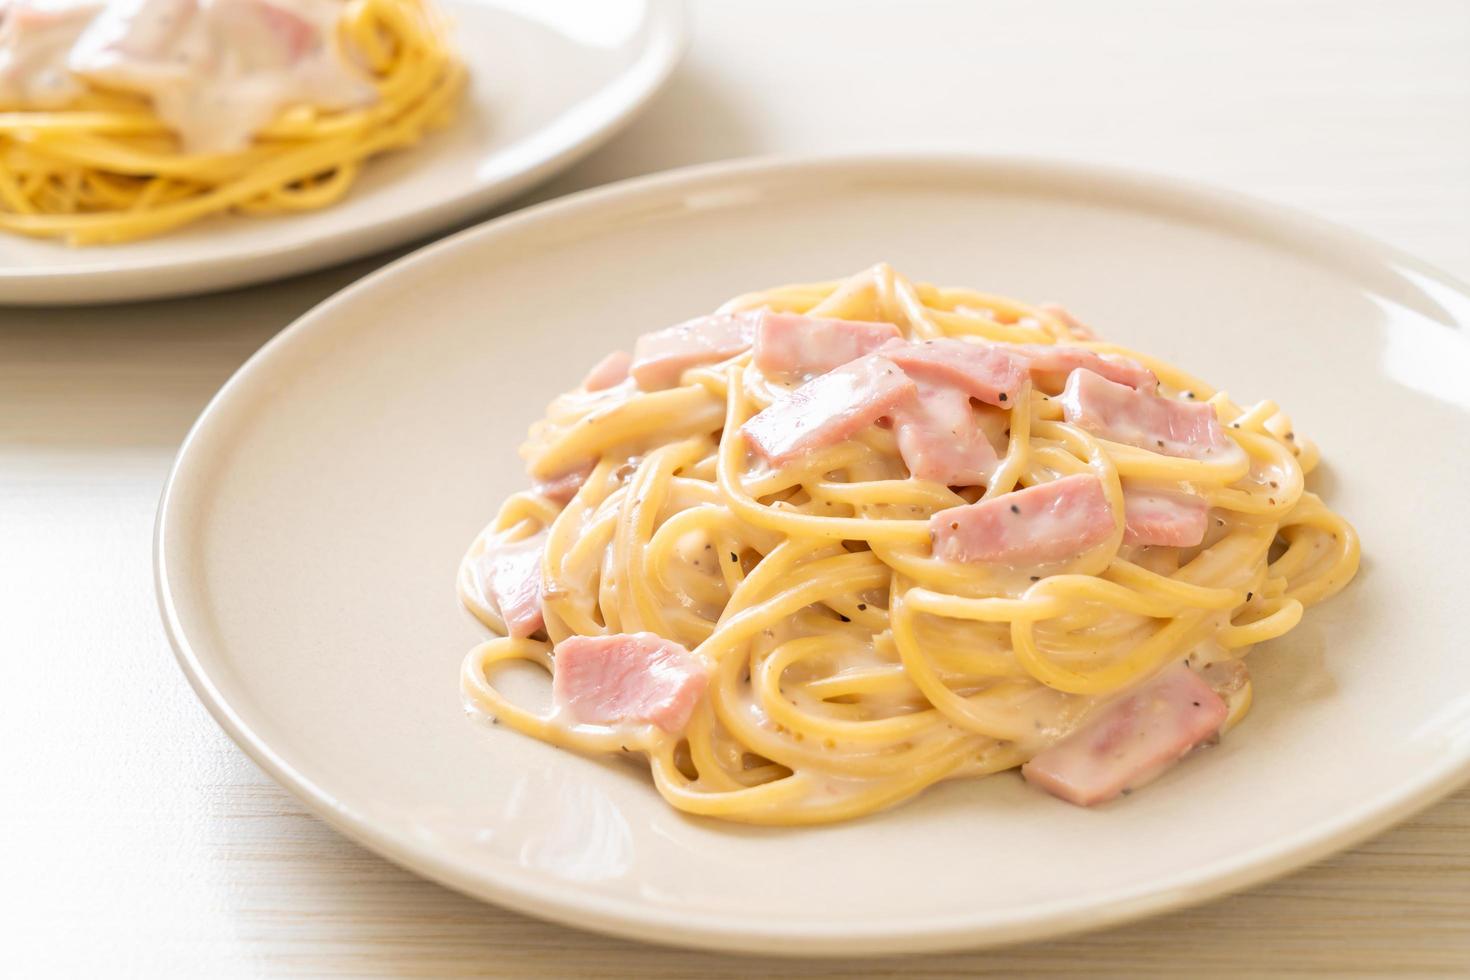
(309, 536)
(549, 81)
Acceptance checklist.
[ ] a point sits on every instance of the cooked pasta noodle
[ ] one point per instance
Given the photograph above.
(106, 168)
(850, 666)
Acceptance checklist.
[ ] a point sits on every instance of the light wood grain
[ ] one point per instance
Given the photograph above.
(136, 840)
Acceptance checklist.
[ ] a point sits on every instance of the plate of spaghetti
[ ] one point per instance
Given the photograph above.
(157, 147)
(845, 556)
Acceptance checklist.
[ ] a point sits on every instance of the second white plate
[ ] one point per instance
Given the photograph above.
(548, 83)
(310, 533)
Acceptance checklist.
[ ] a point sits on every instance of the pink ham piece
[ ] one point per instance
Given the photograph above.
(939, 439)
(1162, 517)
(610, 371)
(1131, 740)
(828, 409)
(1051, 364)
(660, 358)
(509, 574)
(793, 347)
(1147, 421)
(1047, 522)
(278, 25)
(628, 678)
(985, 372)
(561, 489)
(1069, 319)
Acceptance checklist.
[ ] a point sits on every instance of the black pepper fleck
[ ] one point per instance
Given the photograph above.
(1249, 596)
(1002, 396)
(1036, 578)
(862, 606)
(1015, 509)
(734, 557)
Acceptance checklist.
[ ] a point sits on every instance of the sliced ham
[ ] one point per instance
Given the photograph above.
(628, 678)
(1163, 517)
(611, 370)
(561, 489)
(1051, 364)
(985, 372)
(291, 37)
(1047, 522)
(1131, 740)
(660, 358)
(939, 439)
(828, 409)
(509, 574)
(1079, 329)
(1163, 425)
(789, 346)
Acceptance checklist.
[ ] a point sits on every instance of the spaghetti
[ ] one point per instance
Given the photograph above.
(106, 167)
(850, 656)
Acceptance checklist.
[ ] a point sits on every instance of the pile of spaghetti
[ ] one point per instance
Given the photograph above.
(104, 167)
(731, 560)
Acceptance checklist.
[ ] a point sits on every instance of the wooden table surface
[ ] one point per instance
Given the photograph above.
(136, 839)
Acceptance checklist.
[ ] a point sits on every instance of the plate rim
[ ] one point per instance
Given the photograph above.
(529, 893)
(30, 284)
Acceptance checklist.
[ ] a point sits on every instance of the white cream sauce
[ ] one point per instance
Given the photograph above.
(216, 71)
(36, 37)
